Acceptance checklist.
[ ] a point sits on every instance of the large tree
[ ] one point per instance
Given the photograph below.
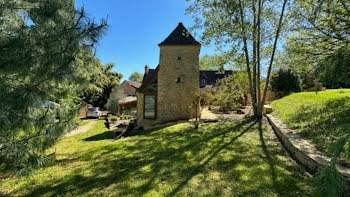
(46, 56)
(215, 62)
(136, 76)
(102, 81)
(249, 29)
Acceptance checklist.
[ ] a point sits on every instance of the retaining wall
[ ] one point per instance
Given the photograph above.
(304, 152)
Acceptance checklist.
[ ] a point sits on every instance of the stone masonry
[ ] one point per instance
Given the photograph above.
(178, 81)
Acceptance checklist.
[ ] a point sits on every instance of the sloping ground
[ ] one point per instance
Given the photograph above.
(85, 126)
(321, 118)
(221, 159)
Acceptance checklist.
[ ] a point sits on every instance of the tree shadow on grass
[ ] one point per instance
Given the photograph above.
(102, 136)
(269, 158)
(199, 169)
(281, 185)
(168, 157)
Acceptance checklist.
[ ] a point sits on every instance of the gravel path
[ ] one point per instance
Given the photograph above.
(82, 129)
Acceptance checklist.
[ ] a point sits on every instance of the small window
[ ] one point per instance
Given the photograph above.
(203, 82)
(179, 58)
(179, 80)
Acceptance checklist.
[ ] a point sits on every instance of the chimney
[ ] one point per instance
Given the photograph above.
(146, 70)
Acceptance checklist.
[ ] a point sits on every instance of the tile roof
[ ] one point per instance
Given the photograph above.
(148, 78)
(211, 76)
(128, 99)
(180, 36)
(134, 84)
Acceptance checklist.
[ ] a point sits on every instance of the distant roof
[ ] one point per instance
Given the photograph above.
(148, 78)
(180, 36)
(211, 76)
(134, 84)
(129, 99)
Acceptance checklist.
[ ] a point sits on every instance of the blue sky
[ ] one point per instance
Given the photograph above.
(136, 29)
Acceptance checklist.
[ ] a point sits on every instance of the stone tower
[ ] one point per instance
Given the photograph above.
(178, 75)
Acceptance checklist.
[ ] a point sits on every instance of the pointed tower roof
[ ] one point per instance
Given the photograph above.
(180, 36)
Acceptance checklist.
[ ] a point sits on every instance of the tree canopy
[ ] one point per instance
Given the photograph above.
(248, 31)
(102, 81)
(46, 56)
(136, 76)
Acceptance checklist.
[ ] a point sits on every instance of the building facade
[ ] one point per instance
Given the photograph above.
(167, 92)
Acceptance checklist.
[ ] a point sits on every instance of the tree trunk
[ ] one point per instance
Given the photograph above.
(247, 57)
(272, 56)
(260, 7)
(256, 106)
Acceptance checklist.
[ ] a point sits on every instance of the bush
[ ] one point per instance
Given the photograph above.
(231, 90)
(114, 118)
(284, 82)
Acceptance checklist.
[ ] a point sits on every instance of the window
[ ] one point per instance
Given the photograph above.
(179, 80)
(179, 58)
(150, 107)
(203, 82)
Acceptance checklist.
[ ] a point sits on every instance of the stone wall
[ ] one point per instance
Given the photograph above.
(139, 108)
(304, 152)
(174, 96)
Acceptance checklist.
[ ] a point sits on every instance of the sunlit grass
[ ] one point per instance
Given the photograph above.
(221, 159)
(322, 118)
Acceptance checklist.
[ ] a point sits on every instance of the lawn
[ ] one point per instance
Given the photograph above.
(321, 118)
(218, 159)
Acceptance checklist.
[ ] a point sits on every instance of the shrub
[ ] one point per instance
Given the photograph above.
(231, 91)
(114, 118)
(284, 82)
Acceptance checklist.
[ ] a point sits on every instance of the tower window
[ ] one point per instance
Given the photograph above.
(179, 58)
(179, 80)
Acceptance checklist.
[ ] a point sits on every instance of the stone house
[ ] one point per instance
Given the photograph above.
(129, 88)
(167, 91)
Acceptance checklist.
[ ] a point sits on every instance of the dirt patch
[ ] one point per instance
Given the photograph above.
(82, 129)
(231, 115)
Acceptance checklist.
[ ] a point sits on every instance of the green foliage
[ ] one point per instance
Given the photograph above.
(112, 103)
(200, 101)
(214, 62)
(171, 161)
(328, 182)
(46, 54)
(334, 70)
(136, 76)
(319, 29)
(102, 82)
(285, 82)
(254, 27)
(114, 118)
(231, 90)
(324, 25)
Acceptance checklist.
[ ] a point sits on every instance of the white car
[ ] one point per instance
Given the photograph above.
(94, 112)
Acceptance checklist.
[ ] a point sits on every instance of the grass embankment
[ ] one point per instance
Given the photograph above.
(221, 159)
(321, 118)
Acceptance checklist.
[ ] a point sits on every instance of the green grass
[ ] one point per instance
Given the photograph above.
(321, 118)
(78, 119)
(219, 159)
